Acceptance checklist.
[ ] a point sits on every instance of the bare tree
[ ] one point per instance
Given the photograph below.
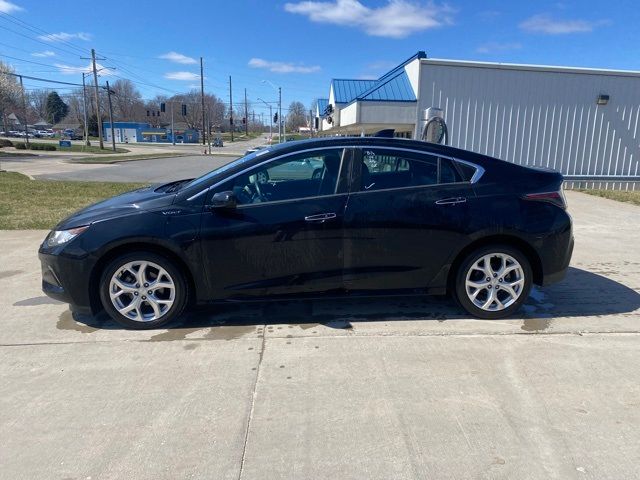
(212, 104)
(297, 116)
(127, 101)
(9, 93)
(38, 102)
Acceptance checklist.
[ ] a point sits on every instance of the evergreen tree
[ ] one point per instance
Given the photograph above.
(56, 108)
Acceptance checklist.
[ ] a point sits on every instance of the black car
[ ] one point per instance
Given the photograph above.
(384, 216)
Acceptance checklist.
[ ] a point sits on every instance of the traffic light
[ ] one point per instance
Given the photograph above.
(163, 107)
(148, 113)
(275, 118)
(244, 120)
(184, 110)
(158, 113)
(230, 120)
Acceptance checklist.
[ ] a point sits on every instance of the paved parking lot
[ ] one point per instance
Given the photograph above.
(396, 388)
(155, 170)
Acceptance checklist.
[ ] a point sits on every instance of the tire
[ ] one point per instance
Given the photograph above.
(129, 302)
(510, 289)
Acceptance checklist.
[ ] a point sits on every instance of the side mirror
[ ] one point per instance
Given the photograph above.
(223, 200)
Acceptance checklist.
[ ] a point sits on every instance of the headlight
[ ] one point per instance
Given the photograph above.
(60, 237)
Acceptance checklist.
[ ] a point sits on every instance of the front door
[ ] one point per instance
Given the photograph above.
(286, 234)
(409, 211)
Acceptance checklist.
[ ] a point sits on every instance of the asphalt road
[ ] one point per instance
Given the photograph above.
(403, 388)
(155, 170)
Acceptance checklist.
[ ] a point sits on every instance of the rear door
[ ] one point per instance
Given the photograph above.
(407, 213)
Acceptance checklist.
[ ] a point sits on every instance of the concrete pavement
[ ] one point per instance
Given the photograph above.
(386, 388)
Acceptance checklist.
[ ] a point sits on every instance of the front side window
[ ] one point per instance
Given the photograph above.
(384, 169)
(304, 175)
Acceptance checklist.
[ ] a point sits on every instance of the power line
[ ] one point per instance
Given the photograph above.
(41, 79)
(31, 61)
(37, 30)
(40, 41)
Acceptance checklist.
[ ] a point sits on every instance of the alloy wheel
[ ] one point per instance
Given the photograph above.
(142, 291)
(494, 282)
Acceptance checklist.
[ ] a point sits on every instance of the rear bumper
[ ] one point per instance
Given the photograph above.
(558, 269)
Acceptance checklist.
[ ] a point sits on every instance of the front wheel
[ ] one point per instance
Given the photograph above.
(493, 282)
(142, 290)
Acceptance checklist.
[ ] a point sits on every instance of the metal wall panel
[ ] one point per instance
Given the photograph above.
(540, 117)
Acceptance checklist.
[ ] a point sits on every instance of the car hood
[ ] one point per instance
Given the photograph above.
(131, 203)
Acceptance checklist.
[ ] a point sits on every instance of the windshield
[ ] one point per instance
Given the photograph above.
(224, 168)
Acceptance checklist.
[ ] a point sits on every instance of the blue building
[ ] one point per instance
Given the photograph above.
(135, 132)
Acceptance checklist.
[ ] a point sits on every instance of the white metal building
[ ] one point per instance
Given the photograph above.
(582, 122)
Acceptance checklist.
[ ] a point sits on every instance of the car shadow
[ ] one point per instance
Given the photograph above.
(581, 293)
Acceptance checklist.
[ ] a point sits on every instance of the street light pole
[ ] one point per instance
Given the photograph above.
(270, 119)
(279, 109)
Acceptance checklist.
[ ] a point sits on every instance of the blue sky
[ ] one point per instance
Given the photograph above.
(301, 45)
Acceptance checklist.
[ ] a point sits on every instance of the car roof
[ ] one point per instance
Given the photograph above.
(427, 147)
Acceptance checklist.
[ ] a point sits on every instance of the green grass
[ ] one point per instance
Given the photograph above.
(124, 158)
(618, 195)
(92, 149)
(40, 204)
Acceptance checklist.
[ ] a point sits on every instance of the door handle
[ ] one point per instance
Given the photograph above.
(451, 201)
(320, 218)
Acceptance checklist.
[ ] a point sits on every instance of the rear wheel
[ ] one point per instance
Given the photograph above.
(142, 290)
(493, 282)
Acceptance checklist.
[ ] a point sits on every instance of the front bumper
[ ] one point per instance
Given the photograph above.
(66, 279)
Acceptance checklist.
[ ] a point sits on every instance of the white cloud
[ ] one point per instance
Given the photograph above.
(65, 37)
(8, 7)
(178, 58)
(547, 25)
(497, 47)
(186, 76)
(282, 67)
(396, 19)
(72, 70)
(46, 53)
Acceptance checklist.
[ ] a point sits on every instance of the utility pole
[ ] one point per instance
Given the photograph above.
(280, 116)
(24, 113)
(246, 115)
(231, 108)
(202, 99)
(173, 130)
(84, 109)
(209, 129)
(95, 84)
(113, 135)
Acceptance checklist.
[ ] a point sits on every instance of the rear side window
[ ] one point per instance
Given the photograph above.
(467, 171)
(383, 169)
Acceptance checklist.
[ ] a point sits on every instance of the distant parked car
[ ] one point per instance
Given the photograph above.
(254, 150)
(217, 142)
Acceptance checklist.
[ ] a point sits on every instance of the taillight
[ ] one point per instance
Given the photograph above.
(557, 198)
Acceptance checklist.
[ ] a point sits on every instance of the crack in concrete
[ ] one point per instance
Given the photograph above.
(253, 401)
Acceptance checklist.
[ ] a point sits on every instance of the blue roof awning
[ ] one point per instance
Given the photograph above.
(393, 86)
